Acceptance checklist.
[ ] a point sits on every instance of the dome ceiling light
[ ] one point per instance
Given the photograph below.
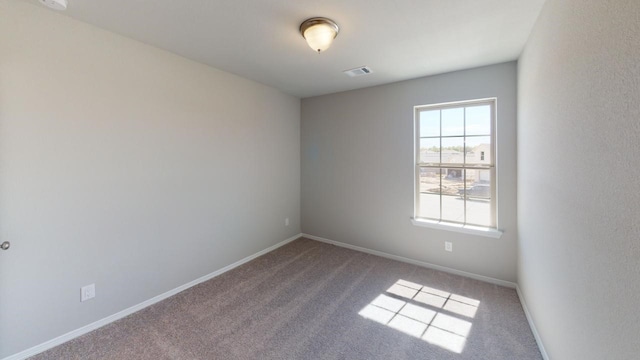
(319, 32)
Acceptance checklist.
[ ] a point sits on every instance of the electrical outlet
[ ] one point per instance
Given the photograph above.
(87, 292)
(286, 222)
(448, 246)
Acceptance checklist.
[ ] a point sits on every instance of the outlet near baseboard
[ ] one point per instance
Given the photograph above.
(87, 292)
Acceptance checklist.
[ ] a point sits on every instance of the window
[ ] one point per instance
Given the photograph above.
(455, 180)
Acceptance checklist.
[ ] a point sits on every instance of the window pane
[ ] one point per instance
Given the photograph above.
(453, 122)
(478, 150)
(452, 150)
(452, 203)
(429, 193)
(452, 141)
(478, 197)
(430, 151)
(430, 123)
(478, 120)
(429, 206)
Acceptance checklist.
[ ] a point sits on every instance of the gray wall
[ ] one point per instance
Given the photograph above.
(578, 172)
(128, 167)
(358, 171)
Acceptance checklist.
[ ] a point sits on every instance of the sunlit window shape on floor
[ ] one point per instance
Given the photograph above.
(435, 316)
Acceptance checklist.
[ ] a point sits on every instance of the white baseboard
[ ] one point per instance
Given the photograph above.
(109, 319)
(415, 262)
(534, 330)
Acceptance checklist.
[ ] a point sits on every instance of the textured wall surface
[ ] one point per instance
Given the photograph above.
(578, 178)
(358, 170)
(128, 167)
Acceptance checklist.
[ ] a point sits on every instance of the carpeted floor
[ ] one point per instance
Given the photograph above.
(310, 300)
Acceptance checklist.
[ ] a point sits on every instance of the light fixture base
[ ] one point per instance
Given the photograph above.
(315, 21)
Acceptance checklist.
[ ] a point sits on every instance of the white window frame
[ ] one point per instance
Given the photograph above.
(489, 231)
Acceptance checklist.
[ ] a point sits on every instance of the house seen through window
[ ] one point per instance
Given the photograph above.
(455, 163)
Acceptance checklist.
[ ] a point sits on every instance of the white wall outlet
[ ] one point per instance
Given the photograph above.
(286, 221)
(87, 292)
(448, 246)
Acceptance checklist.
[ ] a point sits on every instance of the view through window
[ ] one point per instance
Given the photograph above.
(455, 162)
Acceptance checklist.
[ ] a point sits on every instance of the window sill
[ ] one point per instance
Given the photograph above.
(465, 229)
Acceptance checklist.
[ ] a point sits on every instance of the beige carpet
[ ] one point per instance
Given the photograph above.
(310, 300)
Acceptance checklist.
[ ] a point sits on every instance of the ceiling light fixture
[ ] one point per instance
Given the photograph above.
(319, 32)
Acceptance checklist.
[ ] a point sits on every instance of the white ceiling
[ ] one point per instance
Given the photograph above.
(259, 39)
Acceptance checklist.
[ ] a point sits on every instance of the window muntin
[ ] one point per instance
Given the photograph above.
(455, 163)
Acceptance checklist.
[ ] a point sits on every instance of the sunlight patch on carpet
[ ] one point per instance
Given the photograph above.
(435, 316)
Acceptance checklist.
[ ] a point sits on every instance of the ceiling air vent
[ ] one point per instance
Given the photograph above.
(359, 71)
(55, 4)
